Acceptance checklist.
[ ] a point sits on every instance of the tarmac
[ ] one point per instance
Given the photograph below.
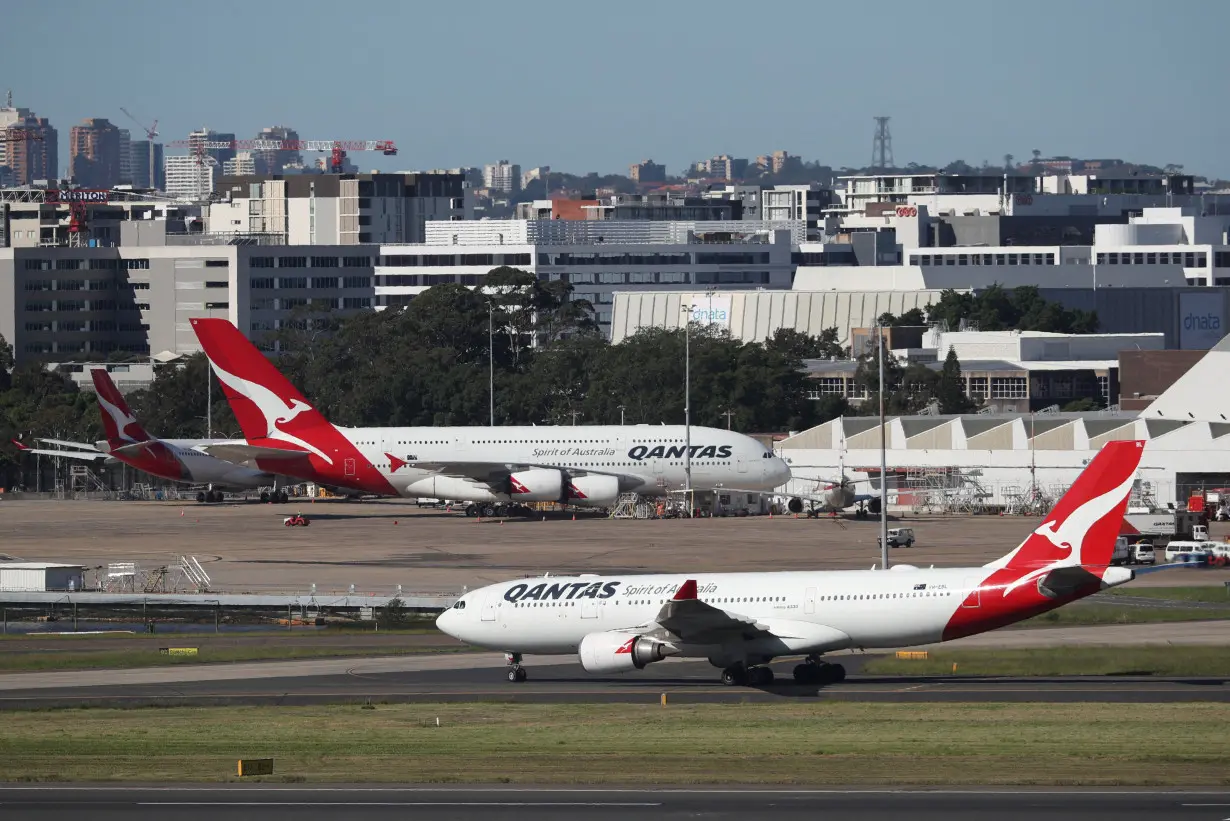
(326, 803)
(378, 545)
(479, 677)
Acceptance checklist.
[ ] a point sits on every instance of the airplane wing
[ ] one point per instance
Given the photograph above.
(87, 455)
(691, 621)
(63, 443)
(241, 453)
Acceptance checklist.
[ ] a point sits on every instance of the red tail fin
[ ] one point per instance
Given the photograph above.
(121, 426)
(266, 404)
(1084, 524)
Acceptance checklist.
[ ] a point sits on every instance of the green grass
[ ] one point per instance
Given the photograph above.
(1080, 613)
(1205, 593)
(124, 659)
(815, 743)
(1062, 661)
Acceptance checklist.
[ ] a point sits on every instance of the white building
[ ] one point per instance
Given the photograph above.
(244, 162)
(502, 176)
(187, 178)
(960, 462)
(599, 258)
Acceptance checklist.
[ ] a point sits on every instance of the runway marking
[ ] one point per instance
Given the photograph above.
(398, 804)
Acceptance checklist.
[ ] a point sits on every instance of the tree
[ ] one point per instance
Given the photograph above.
(998, 308)
(6, 363)
(177, 403)
(950, 389)
(799, 345)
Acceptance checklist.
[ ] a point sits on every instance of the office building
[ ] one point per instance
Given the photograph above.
(503, 177)
(94, 154)
(243, 163)
(148, 165)
(30, 217)
(125, 143)
(188, 178)
(337, 209)
(273, 160)
(647, 171)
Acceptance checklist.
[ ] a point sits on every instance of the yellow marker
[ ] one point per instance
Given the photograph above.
(178, 651)
(664, 699)
(911, 654)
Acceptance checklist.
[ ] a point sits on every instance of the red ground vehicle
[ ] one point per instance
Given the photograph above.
(298, 520)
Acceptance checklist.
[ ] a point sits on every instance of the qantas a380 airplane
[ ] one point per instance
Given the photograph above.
(179, 460)
(491, 467)
(741, 621)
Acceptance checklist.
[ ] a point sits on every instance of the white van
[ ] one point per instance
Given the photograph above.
(1181, 550)
(1142, 553)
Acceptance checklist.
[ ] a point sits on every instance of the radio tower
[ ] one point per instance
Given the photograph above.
(882, 145)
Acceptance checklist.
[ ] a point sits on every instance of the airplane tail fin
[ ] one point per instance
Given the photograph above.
(1082, 527)
(119, 423)
(266, 404)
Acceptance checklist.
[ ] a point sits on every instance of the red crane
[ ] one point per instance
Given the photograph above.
(337, 148)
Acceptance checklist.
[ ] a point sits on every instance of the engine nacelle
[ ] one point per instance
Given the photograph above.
(795, 505)
(621, 652)
(592, 490)
(536, 485)
(873, 505)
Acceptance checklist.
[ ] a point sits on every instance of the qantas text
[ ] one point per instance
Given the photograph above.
(676, 452)
(561, 590)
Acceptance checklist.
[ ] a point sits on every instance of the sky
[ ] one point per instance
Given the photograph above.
(598, 86)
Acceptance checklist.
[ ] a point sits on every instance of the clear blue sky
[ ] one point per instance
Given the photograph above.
(596, 86)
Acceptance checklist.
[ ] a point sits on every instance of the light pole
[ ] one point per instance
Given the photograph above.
(729, 413)
(621, 415)
(883, 456)
(491, 363)
(687, 405)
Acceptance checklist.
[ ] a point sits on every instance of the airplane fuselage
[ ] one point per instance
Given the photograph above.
(178, 460)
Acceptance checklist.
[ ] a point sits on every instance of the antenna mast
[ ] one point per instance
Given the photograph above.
(882, 145)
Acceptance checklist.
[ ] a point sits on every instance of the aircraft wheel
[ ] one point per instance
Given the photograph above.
(734, 675)
(200, 497)
(264, 497)
(488, 511)
(516, 675)
(471, 510)
(283, 498)
(837, 673)
(501, 510)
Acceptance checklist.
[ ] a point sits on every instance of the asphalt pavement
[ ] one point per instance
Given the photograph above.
(273, 803)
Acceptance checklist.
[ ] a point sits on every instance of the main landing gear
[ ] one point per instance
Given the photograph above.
(208, 496)
(738, 674)
(815, 671)
(516, 673)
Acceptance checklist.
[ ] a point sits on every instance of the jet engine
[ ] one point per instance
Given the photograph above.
(536, 485)
(795, 505)
(592, 490)
(873, 505)
(621, 652)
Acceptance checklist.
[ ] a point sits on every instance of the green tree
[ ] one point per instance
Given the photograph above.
(950, 389)
(176, 405)
(796, 344)
(6, 363)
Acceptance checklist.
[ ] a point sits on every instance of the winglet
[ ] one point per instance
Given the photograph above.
(19, 445)
(686, 591)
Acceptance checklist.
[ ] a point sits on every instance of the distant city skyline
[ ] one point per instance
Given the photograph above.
(598, 88)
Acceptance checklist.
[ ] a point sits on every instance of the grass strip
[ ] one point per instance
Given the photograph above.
(1080, 613)
(1061, 661)
(787, 743)
(1202, 593)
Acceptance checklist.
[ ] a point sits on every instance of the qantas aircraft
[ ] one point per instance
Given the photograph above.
(494, 468)
(741, 621)
(178, 460)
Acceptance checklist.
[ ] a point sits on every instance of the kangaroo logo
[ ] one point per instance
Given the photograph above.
(120, 418)
(1069, 535)
(274, 408)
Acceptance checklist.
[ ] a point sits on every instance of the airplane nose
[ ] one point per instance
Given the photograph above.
(443, 620)
(781, 471)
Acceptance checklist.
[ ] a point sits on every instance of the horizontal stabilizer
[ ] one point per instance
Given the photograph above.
(244, 454)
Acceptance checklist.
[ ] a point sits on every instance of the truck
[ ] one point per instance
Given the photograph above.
(1132, 551)
(1165, 524)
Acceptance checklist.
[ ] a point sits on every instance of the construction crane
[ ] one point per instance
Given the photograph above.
(151, 132)
(337, 148)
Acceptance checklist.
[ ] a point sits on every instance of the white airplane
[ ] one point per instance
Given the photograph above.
(494, 468)
(179, 460)
(741, 621)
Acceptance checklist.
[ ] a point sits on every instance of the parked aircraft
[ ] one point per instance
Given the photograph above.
(179, 460)
(496, 469)
(742, 621)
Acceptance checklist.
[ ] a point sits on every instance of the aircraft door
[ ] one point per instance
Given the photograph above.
(809, 601)
(740, 463)
(589, 608)
(971, 592)
(490, 602)
(348, 466)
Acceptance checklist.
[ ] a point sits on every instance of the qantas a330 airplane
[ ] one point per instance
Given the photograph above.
(491, 467)
(742, 621)
(179, 460)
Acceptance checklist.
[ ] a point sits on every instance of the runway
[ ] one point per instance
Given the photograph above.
(479, 677)
(326, 803)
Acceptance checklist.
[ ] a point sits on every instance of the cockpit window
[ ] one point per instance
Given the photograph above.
(461, 605)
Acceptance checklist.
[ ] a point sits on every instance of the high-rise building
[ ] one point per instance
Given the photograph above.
(220, 155)
(502, 176)
(94, 153)
(273, 160)
(726, 167)
(34, 158)
(125, 156)
(187, 178)
(647, 171)
(244, 162)
(143, 165)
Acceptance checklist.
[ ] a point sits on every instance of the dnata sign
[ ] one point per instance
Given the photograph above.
(1202, 320)
(711, 310)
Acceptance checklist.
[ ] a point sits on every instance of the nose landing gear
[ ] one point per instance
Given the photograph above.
(516, 673)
